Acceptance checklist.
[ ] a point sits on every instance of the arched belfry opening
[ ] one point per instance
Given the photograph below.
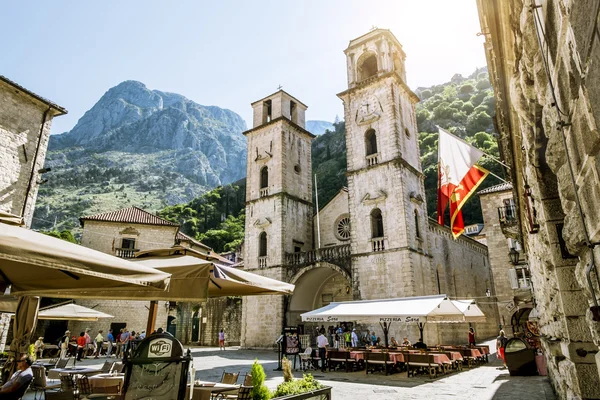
(367, 66)
(371, 142)
(376, 224)
(262, 244)
(264, 177)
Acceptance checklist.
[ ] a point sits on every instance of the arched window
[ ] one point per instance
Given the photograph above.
(376, 223)
(264, 177)
(368, 67)
(262, 244)
(418, 228)
(371, 142)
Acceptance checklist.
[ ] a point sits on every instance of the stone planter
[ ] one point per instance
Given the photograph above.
(321, 394)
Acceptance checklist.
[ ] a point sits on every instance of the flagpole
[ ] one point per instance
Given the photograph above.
(496, 176)
(318, 224)
(484, 153)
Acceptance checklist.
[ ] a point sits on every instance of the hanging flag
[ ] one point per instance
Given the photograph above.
(459, 176)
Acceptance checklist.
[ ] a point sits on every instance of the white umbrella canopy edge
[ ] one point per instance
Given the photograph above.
(71, 312)
(471, 310)
(25, 254)
(419, 309)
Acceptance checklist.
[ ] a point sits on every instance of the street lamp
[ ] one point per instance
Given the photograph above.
(514, 256)
(488, 293)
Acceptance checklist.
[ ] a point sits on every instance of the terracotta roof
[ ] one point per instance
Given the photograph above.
(498, 188)
(131, 215)
(182, 236)
(61, 110)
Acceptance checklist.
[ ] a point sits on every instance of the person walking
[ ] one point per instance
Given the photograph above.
(119, 344)
(322, 345)
(63, 344)
(81, 345)
(471, 337)
(125, 338)
(501, 341)
(110, 339)
(88, 342)
(99, 343)
(354, 337)
(221, 340)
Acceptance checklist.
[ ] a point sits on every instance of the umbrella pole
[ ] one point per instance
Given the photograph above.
(421, 326)
(385, 326)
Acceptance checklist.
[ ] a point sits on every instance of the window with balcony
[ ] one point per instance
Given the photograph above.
(127, 248)
(377, 239)
(371, 147)
(264, 181)
(262, 250)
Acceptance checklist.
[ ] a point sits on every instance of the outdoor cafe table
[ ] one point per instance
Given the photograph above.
(106, 380)
(76, 371)
(203, 390)
(358, 355)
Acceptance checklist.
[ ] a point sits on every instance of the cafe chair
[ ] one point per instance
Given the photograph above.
(118, 367)
(61, 363)
(106, 368)
(39, 382)
(230, 378)
(243, 393)
(305, 359)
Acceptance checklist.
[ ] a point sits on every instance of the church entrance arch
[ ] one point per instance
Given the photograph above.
(316, 286)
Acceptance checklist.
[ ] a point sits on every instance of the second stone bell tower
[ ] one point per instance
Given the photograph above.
(385, 181)
(279, 207)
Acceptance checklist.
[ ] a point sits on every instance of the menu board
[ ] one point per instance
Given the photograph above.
(292, 346)
(158, 370)
(156, 381)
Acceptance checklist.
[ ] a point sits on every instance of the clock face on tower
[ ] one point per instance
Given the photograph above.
(369, 109)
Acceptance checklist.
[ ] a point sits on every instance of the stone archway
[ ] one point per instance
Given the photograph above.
(316, 286)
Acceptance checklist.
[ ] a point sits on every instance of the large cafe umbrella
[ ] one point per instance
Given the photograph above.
(420, 309)
(71, 312)
(192, 279)
(32, 263)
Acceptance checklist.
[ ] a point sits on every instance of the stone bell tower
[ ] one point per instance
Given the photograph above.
(385, 182)
(279, 206)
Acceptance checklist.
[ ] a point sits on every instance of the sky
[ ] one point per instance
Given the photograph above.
(224, 53)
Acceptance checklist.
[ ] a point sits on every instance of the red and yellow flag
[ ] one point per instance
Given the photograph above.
(459, 177)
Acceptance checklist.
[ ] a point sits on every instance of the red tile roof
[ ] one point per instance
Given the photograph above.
(182, 236)
(131, 215)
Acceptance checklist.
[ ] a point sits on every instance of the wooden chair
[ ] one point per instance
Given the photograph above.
(335, 358)
(243, 393)
(467, 357)
(39, 382)
(84, 390)
(230, 378)
(376, 361)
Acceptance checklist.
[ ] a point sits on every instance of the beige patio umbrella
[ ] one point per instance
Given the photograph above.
(24, 326)
(32, 263)
(192, 279)
(71, 312)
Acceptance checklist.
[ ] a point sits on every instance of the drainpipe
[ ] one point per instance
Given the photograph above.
(35, 157)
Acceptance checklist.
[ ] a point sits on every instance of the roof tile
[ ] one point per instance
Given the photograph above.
(132, 215)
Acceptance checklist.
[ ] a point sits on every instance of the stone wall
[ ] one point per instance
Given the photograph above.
(329, 217)
(107, 236)
(21, 117)
(221, 313)
(548, 115)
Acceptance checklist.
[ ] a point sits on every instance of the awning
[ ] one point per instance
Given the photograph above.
(471, 310)
(192, 279)
(33, 263)
(72, 312)
(420, 309)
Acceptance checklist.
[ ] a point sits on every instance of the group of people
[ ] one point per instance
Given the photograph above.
(84, 346)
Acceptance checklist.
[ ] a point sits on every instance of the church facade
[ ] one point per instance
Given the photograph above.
(374, 239)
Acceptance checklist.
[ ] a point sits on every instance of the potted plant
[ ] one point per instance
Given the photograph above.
(306, 388)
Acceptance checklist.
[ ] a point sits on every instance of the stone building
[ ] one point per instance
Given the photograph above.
(543, 59)
(25, 121)
(374, 239)
(126, 231)
(512, 278)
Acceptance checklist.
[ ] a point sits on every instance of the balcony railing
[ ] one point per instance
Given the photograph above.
(262, 262)
(372, 159)
(329, 254)
(378, 244)
(126, 253)
(264, 192)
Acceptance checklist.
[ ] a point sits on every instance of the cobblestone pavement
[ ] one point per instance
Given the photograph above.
(480, 383)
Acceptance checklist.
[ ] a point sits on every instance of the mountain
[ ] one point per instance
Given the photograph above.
(141, 147)
(318, 127)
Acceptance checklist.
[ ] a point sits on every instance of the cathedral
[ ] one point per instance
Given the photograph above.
(373, 240)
